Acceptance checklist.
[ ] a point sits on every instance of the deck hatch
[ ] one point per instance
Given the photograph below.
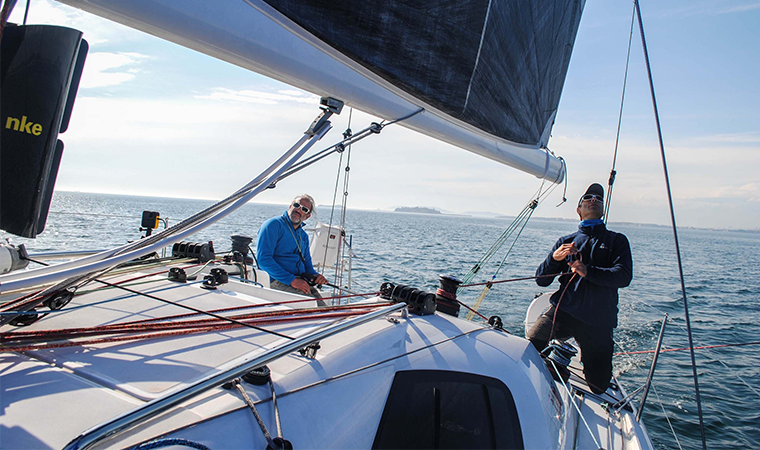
(445, 409)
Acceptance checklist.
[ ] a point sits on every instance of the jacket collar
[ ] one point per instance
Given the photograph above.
(289, 222)
(592, 227)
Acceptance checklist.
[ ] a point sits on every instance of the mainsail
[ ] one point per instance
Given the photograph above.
(488, 73)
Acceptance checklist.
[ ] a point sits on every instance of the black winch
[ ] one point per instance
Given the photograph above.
(242, 244)
(446, 295)
(202, 252)
(420, 302)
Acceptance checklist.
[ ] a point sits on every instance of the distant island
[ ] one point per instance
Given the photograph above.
(416, 209)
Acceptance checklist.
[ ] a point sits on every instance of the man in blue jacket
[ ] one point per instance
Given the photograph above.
(282, 249)
(594, 263)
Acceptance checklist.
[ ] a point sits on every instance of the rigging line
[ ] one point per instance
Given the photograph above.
(564, 193)
(200, 311)
(375, 128)
(339, 267)
(348, 170)
(252, 406)
(166, 323)
(514, 279)
(178, 319)
(571, 398)
(657, 394)
(709, 352)
(701, 347)
(486, 289)
(667, 417)
(207, 328)
(26, 10)
(472, 311)
(332, 210)
(325, 153)
(402, 118)
(675, 231)
(739, 377)
(494, 247)
(4, 13)
(613, 172)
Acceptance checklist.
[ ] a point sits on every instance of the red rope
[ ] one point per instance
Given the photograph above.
(7, 305)
(475, 312)
(237, 308)
(201, 329)
(447, 295)
(556, 308)
(132, 327)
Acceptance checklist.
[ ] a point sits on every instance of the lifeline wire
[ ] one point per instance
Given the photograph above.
(743, 381)
(675, 231)
(657, 394)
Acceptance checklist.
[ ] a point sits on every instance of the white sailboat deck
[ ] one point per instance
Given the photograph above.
(335, 400)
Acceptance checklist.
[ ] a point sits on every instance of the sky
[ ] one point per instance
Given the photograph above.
(153, 118)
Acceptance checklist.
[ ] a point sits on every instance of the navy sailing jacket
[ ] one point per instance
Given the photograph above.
(593, 299)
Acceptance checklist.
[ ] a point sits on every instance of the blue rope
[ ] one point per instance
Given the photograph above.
(168, 442)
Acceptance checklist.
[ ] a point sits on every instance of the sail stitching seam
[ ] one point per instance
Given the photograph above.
(477, 58)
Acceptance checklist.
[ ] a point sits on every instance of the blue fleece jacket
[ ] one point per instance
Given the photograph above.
(593, 299)
(277, 251)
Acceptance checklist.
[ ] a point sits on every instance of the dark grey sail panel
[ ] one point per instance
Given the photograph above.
(499, 65)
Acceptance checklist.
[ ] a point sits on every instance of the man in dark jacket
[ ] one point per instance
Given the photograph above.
(594, 263)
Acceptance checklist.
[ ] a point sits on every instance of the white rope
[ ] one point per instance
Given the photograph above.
(659, 400)
(667, 418)
(577, 408)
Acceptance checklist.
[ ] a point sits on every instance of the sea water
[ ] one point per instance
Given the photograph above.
(721, 269)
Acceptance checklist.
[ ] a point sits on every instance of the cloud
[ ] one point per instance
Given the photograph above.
(101, 69)
(741, 8)
(748, 191)
(752, 138)
(99, 30)
(261, 97)
(708, 8)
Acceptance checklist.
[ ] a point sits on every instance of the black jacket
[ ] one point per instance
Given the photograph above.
(593, 299)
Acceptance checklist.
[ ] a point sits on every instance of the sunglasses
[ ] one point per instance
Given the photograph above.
(301, 207)
(596, 197)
